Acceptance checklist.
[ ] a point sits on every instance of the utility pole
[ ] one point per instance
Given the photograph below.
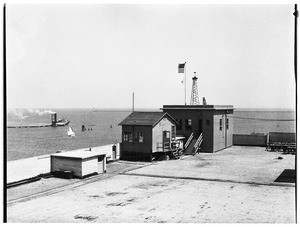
(185, 83)
(295, 68)
(295, 41)
(133, 102)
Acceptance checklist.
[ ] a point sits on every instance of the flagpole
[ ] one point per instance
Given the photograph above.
(185, 83)
(295, 44)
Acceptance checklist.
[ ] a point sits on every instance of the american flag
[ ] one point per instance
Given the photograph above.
(181, 68)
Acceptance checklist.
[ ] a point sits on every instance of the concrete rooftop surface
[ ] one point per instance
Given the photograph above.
(235, 185)
(30, 167)
(236, 164)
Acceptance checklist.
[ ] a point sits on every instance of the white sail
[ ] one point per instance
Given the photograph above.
(71, 132)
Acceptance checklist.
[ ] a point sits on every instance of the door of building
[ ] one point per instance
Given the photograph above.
(100, 164)
(166, 139)
(224, 130)
(200, 126)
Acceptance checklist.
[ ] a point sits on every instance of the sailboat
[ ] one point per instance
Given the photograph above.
(71, 133)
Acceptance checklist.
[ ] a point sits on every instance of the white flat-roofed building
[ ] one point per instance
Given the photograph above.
(82, 163)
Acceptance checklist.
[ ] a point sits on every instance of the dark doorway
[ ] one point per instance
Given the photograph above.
(200, 126)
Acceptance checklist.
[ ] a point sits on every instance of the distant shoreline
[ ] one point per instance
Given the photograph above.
(148, 109)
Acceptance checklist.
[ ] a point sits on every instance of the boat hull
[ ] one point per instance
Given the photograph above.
(62, 123)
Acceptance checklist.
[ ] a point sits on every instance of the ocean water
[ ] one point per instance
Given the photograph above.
(104, 129)
(28, 142)
(263, 121)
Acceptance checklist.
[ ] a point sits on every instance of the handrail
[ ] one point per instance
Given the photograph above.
(189, 140)
(167, 144)
(163, 146)
(158, 147)
(198, 143)
(198, 146)
(198, 140)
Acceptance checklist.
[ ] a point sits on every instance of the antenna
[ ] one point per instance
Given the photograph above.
(194, 95)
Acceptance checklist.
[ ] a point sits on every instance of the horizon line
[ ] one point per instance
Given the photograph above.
(146, 108)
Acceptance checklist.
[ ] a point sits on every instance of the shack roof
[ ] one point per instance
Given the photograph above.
(145, 118)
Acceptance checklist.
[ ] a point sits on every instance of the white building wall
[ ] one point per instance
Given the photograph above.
(219, 135)
(89, 166)
(157, 133)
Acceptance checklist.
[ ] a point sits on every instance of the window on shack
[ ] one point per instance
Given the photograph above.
(167, 134)
(138, 137)
(130, 139)
(127, 136)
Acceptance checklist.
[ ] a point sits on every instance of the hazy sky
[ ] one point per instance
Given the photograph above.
(69, 56)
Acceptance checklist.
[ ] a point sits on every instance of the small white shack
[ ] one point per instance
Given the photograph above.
(81, 163)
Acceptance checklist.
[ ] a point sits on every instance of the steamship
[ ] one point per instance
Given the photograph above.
(59, 122)
(54, 123)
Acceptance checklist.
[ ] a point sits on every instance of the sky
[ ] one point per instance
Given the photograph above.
(97, 55)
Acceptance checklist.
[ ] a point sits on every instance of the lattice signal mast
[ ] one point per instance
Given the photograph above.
(194, 95)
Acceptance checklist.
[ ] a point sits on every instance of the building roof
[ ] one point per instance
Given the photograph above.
(145, 118)
(198, 107)
(78, 154)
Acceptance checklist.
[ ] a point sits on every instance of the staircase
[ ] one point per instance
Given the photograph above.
(194, 145)
(190, 148)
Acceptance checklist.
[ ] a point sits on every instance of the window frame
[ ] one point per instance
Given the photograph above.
(127, 137)
(139, 137)
(188, 124)
(130, 137)
(173, 132)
